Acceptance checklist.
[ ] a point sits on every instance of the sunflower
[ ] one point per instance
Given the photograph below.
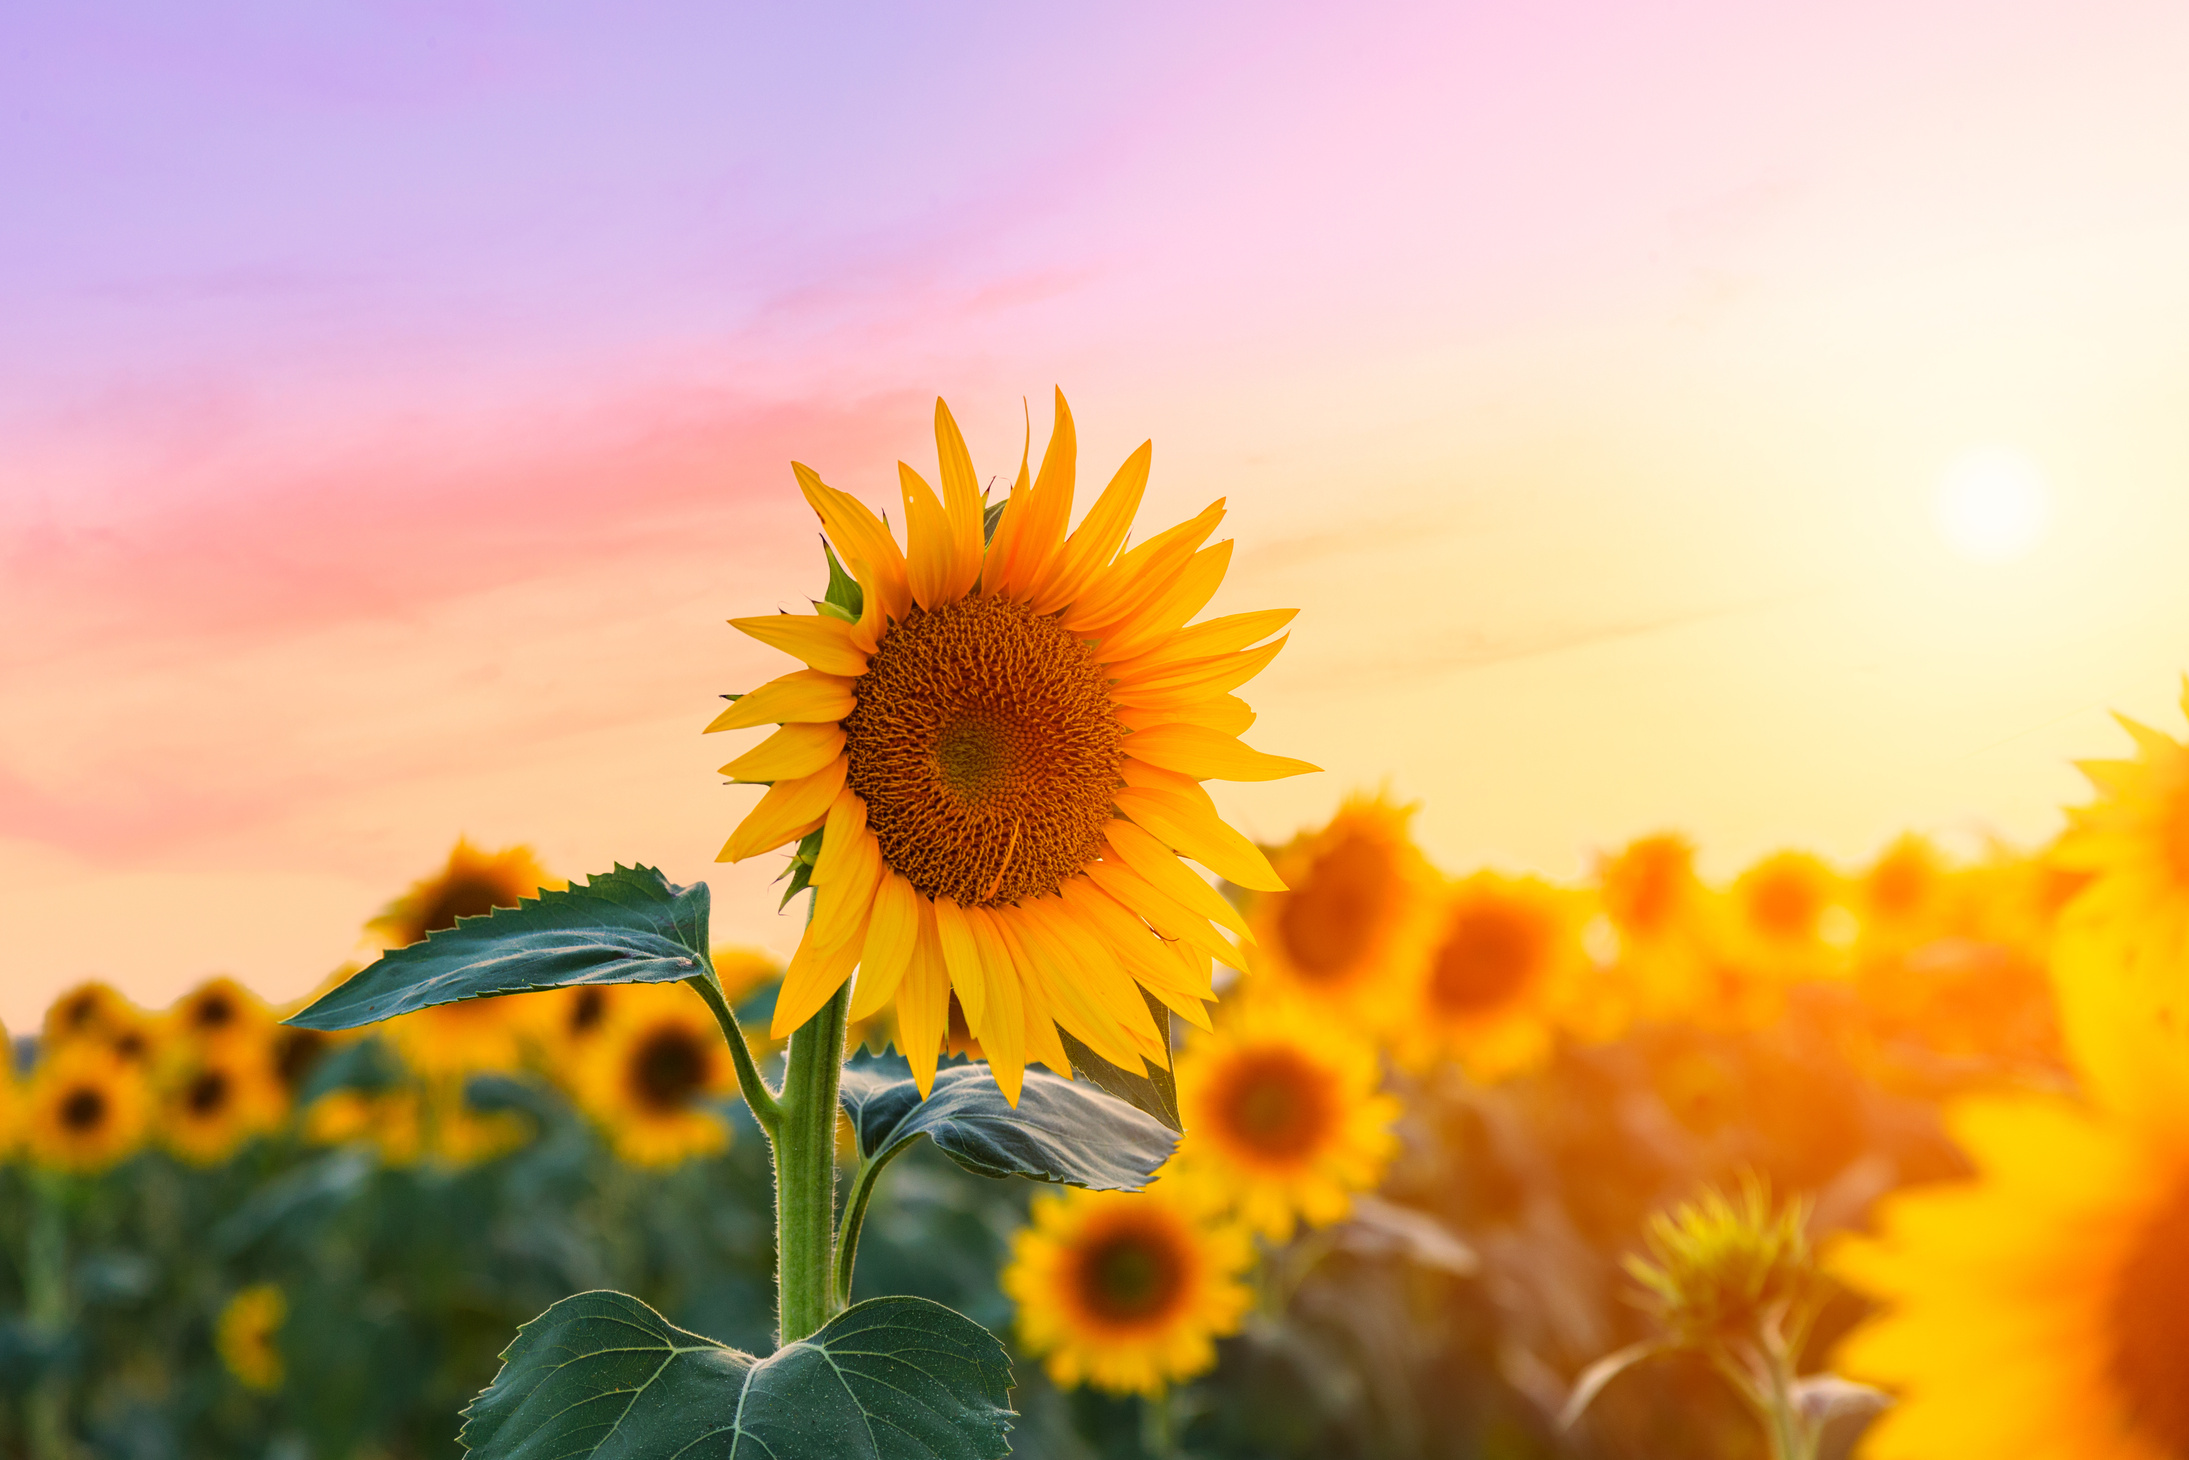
(1127, 1291)
(1003, 745)
(652, 1078)
(98, 1014)
(247, 1334)
(2042, 1309)
(1357, 918)
(392, 1121)
(87, 1107)
(1504, 965)
(11, 1098)
(1658, 908)
(221, 1012)
(2132, 844)
(219, 1100)
(1284, 1118)
(1787, 917)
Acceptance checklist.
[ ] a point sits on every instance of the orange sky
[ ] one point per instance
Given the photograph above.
(1592, 413)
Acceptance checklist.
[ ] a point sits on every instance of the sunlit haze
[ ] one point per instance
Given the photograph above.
(1759, 421)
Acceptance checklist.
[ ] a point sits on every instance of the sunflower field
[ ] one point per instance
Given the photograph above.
(1351, 1156)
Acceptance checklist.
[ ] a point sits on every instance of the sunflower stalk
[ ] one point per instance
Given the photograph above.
(46, 1305)
(805, 1172)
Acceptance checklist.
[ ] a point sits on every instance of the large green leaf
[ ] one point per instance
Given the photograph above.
(631, 925)
(1062, 1130)
(602, 1375)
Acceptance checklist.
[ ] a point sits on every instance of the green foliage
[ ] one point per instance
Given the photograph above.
(1152, 1090)
(1062, 1131)
(603, 1375)
(1726, 1267)
(628, 926)
(800, 871)
(845, 599)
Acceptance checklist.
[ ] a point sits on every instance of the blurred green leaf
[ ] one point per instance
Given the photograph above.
(603, 1375)
(627, 926)
(1062, 1131)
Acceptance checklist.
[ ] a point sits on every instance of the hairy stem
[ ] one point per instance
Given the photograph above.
(847, 1236)
(765, 1108)
(805, 1172)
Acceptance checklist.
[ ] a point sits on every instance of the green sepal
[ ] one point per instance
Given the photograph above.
(800, 870)
(602, 1375)
(1154, 1090)
(845, 598)
(1062, 1131)
(631, 925)
(989, 517)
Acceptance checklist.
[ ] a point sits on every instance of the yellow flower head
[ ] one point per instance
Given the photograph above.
(1658, 908)
(1351, 931)
(1505, 963)
(447, 1040)
(473, 884)
(1906, 895)
(88, 1107)
(1787, 917)
(1127, 1291)
(1004, 748)
(392, 1121)
(2132, 844)
(653, 1076)
(2042, 1308)
(248, 1333)
(221, 1012)
(1283, 1118)
(219, 1100)
(96, 1013)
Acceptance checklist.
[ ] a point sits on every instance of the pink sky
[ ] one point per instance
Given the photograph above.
(394, 400)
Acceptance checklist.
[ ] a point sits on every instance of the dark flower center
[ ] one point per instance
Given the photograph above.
(1327, 921)
(84, 1109)
(207, 1094)
(668, 1068)
(1132, 1275)
(1489, 953)
(1276, 1104)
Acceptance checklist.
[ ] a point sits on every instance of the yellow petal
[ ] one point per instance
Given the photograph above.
(923, 1004)
(1186, 595)
(1101, 972)
(1205, 640)
(1144, 956)
(961, 503)
(1226, 714)
(1042, 1044)
(1170, 918)
(812, 979)
(786, 813)
(840, 907)
(1195, 678)
(1001, 1027)
(892, 932)
(1140, 576)
(1039, 535)
(823, 642)
(961, 957)
(1091, 546)
(846, 821)
(790, 753)
(1209, 755)
(804, 696)
(1156, 862)
(931, 555)
(1064, 987)
(1196, 831)
(864, 542)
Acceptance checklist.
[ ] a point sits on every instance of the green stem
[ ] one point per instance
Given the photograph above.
(46, 1305)
(765, 1109)
(847, 1236)
(805, 1172)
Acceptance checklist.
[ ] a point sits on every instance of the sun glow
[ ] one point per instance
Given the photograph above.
(1993, 505)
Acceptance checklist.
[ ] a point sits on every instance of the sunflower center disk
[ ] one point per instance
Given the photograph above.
(1131, 1276)
(1328, 919)
(1485, 960)
(986, 749)
(1276, 1106)
(2150, 1314)
(668, 1069)
(208, 1094)
(83, 1110)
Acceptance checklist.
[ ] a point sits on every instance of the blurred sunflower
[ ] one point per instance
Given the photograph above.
(1127, 1291)
(392, 1121)
(88, 1108)
(219, 1100)
(2132, 846)
(1787, 917)
(293, 1053)
(2042, 1309)
(221, 1011)
(475, 1034)
(1505, 961)
(652, 1076)
(1003, 745)
(247, 1335)
(1355, 923)
(1657, 906)
(11, 1098)
(96, 1013)
(1904, 898)
(1283, 1118)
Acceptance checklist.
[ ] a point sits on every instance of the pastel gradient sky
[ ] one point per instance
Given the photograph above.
(395, 399)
